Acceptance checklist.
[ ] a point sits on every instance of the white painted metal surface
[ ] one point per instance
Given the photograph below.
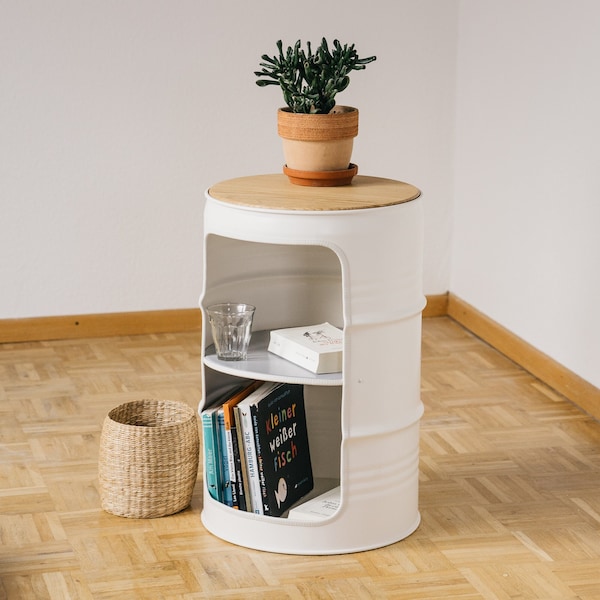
(360, 270)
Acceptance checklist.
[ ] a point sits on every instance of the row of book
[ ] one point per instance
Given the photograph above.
(256, 451)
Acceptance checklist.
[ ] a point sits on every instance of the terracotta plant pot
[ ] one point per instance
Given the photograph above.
(313, 142)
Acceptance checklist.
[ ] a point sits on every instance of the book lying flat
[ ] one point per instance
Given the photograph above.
(318, 348)
(321, 507)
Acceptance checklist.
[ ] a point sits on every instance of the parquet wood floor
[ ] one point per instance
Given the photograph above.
(509, 490)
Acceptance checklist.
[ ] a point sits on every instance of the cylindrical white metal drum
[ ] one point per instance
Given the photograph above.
(351, 256)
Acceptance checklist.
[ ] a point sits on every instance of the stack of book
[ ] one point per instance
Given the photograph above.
(256, 452)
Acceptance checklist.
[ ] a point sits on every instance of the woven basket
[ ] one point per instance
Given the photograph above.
(148, 460)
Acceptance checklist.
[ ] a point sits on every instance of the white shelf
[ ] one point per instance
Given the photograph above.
(266, 366)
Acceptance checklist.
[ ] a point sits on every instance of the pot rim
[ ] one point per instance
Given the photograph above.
(338, 125)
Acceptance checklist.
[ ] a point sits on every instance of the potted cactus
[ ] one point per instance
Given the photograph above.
(317, 134)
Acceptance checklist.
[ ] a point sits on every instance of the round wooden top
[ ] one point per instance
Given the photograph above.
(275, 192)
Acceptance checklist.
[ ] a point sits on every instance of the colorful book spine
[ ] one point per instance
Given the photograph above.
(224, 456)
(242, 458)
(212, 454)
(249, 447)
(233, 449)
(260, 457)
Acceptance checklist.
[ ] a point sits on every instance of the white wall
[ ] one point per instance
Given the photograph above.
(526, 243)
(116, 115)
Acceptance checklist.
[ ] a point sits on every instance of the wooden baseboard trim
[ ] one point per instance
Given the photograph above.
(99, 325)
(437, 306)
(552, 373)
(37, 329)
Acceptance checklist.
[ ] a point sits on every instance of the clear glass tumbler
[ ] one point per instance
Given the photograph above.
(231, 325)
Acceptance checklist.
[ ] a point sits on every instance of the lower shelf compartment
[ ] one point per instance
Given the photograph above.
(321, 486)
(378, 503)
(351, 529)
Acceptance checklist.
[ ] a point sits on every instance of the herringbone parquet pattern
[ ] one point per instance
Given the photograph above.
(509, 492)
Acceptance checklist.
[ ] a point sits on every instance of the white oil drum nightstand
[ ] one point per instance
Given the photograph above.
(351, 256)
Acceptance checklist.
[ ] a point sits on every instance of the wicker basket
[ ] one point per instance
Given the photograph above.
(148, 460)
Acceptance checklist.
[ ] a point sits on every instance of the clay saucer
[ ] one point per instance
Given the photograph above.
(321, 178)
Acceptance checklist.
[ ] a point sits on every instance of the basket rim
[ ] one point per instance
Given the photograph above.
(187, 413)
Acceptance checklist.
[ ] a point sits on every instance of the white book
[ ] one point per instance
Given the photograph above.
(321, 507)
(249, 445)
(317, 348)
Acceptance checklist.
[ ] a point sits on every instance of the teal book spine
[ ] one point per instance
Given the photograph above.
(212, 457)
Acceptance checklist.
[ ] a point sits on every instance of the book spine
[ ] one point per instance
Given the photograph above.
(237, 465)
(226, 481)
(211, 456)
(251, 466)
(260, 456)
(242, 457)
(231, 457)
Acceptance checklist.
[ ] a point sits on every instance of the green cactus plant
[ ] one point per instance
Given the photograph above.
(310, 81)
